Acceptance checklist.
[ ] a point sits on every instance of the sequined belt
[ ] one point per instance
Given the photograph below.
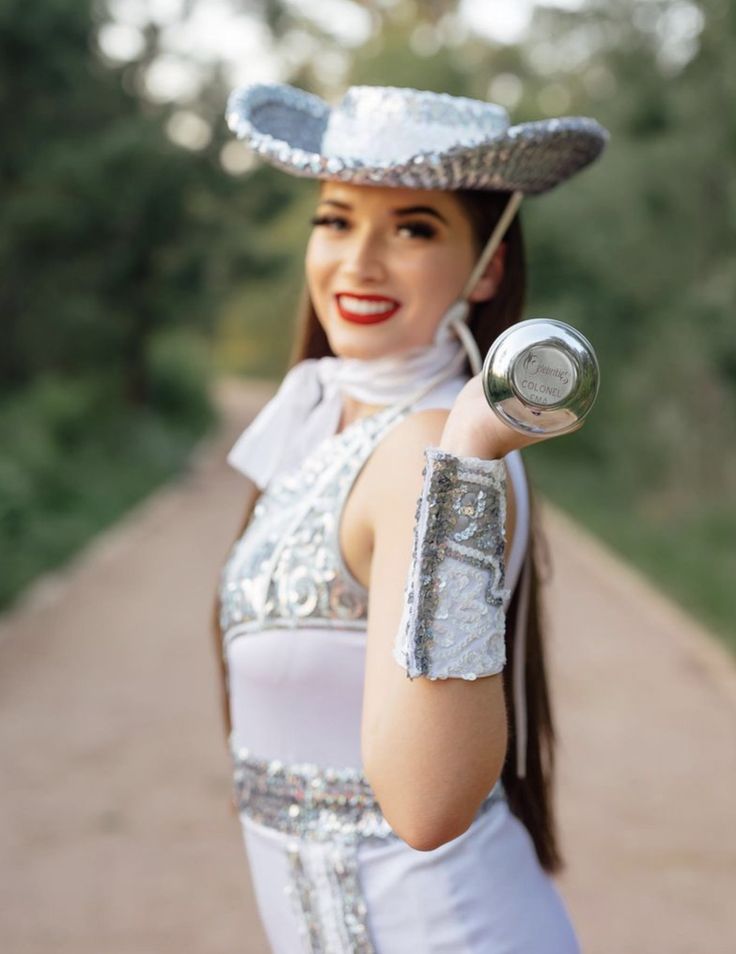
(306, 800)
(327, 812)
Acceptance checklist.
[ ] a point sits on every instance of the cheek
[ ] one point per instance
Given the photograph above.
(311, 260)
(441, 276)
(317, 265)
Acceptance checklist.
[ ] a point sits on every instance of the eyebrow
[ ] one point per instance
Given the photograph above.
(407, 210)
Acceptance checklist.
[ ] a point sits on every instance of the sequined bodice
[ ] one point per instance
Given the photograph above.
(286, 569)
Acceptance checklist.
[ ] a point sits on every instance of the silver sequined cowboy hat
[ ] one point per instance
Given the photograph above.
(394, 136)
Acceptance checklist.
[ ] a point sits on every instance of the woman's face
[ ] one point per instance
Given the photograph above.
(384, 264)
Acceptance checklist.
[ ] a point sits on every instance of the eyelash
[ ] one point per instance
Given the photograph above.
(421, 228)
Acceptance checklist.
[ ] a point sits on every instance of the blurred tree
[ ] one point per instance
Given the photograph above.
(117, 248)
(638, 253)
(110, 232)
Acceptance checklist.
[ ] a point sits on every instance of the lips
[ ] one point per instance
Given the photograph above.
(366, 309)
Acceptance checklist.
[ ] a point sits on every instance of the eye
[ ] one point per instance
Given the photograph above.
(327, 220)
(415, 229)
(419, 229)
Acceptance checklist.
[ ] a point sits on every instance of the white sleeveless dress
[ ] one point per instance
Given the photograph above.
(330, 877)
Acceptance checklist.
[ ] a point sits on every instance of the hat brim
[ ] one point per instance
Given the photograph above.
(284, 125)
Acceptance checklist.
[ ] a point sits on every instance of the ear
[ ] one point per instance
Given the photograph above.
(489, 282)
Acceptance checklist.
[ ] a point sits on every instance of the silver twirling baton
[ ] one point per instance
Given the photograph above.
(541, 376)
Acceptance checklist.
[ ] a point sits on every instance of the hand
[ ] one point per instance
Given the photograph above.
(473, 430)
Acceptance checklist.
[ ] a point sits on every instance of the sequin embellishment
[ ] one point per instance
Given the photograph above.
(324, 814)
(286, 570)
(417, 139)
(316, 804)
(453, 623)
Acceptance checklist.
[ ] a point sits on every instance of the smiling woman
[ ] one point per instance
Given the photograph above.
(408, 260)
(389, 522)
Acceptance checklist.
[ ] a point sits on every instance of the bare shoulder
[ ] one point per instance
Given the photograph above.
(394, 474)
(395, 467)
(415, 432)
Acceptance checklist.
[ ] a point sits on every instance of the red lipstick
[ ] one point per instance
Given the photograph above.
(377, 308)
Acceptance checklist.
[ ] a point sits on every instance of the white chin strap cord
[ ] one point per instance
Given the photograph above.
(456, 317)
(457, 314)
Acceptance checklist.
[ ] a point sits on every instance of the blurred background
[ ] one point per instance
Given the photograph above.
(145, 253)
(151, 270)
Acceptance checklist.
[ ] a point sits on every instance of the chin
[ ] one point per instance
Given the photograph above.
(370, 341)
(362, 354)
(346, 346)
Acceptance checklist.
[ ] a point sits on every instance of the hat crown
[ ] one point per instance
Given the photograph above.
(387, 124)
(416, 139)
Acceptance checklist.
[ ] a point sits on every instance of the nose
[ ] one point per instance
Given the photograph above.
(364, 257)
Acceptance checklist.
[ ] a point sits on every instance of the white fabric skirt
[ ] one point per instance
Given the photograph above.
(482, 893)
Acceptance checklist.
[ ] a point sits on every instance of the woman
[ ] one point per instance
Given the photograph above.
(389, 523)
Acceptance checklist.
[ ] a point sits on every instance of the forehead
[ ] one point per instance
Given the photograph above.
(385, 199)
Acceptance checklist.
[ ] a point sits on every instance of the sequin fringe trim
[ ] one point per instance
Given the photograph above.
(327, 898)
(326, 812)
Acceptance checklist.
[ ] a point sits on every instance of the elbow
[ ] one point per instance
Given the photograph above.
(427, 820)
(428, 837)
(427, 808)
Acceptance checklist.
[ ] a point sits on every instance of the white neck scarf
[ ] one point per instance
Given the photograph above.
(308, 406)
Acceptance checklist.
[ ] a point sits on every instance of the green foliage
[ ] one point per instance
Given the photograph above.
(683, 544)
(73, 459)
(638, 253)
(178, 367)
(111, 253)
(110, 232)
(391, 61)
(256, 328)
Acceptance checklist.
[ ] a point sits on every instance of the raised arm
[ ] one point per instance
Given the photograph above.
(432, 749)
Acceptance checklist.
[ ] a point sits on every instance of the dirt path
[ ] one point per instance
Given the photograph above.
(118, 838)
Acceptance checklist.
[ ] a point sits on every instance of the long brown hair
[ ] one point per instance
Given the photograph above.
(530, 798)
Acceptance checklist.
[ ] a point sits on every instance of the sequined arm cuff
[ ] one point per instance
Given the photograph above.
(453, 624)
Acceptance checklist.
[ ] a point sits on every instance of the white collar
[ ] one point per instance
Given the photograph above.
(308, 405)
